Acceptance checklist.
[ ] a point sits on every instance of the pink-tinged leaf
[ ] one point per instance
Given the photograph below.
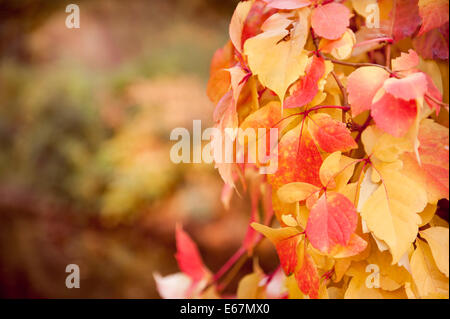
(406, 19)
(434, 156)
(287, 252)
(433, 44)
(331, 222)
(434, 14)
(258, 14)
(306, 274)
(433, 91)
(355, 246)
(406, 61)
(394, 116)
(330, 135)
(408, 88)
(188, 256)
(175, 286)
(362, 85)
(331, 20)
(299, 160)
(237, 23)
(307, 87)
(287, 4)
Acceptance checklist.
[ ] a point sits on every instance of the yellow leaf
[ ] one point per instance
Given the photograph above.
(275, 234)
(277, 55)
(336, 170)
(437, 238)
(427, 214)
(384, 146)
(341, 48)
(360, 288)
(296, 192)
(427, 277)
(390, 213)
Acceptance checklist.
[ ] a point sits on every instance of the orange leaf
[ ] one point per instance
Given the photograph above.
(299, 160)
(330, 135)
(287, 252)
(306, 273)
(331, 20)
(307, 87)
(332, 221)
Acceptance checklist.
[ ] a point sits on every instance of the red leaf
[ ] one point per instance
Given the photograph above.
(406, 19)
(308, 86)
(258, 14)
(287, 252)
(297, 161)
(331, 20)
(287, 4)
(306, 274)
(188, 256)
(331, 135)
(362, 85)
(408, 88)
(394, 116)
(433, 44)
(331, 222)
(434, 14)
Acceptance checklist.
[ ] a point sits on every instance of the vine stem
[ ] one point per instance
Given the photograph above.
(383, 39)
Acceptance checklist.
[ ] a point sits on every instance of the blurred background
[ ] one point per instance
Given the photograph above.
(85, 120)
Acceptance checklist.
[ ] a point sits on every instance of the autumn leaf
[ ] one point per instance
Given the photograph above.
(307, 88)
(433, 170)
(329, 134)
(237, 23)
(391, 213)
(279, 61)
(286, 240)
(341, 48)
(406, 61)
(332, 221)
(430, 282)
(306, 273)
(433, 44)
(299, 159)
(437, 239)
(408, 88)
(406, 18)
(392, 115)
(434, 14)
(331, 20)
(188, 256)
(362, 86)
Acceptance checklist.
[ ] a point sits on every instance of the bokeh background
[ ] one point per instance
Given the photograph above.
(85, 120)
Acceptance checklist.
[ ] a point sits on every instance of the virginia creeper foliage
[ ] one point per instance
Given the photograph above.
(363, 149)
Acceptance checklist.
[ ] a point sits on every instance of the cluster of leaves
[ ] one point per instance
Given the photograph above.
(362, 151)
